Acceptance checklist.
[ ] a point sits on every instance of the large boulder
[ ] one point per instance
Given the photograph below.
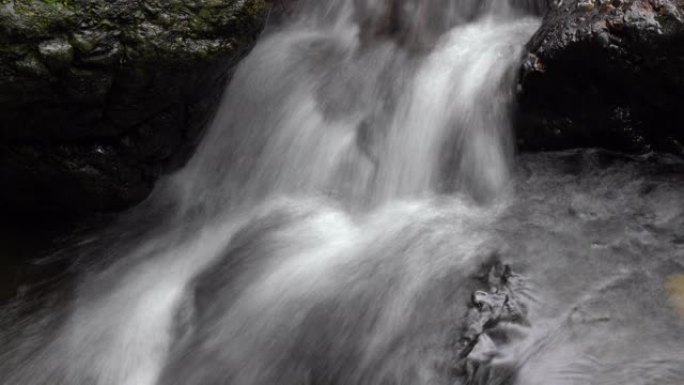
(99, 97)
(605, 73)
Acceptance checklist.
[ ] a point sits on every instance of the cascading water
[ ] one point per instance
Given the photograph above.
(331, 227)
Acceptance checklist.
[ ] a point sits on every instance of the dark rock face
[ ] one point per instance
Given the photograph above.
(605, 73)
(99, 98)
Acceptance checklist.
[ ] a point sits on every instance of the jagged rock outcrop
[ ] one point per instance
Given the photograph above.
(605, 73)
(99, 97)
(500, 302)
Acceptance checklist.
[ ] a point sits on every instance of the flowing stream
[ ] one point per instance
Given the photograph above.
(355, 216)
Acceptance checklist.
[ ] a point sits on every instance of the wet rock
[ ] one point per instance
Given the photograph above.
(139, 80)
(56, 53)
(605, 74)
(31, 67)
(87, 87)
(500, 303)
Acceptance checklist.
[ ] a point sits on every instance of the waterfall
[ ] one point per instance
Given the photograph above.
(332, 105)
(330, 229)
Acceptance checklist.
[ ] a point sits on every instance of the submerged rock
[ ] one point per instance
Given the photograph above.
(99, 98)
(604, 73)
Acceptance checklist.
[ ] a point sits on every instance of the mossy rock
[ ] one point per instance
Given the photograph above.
(101, 97)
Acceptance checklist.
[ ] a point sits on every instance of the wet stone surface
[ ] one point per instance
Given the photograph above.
(605, 74)
(102, 97)
(499, 302)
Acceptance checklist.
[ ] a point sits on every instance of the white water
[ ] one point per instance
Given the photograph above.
(328, 229)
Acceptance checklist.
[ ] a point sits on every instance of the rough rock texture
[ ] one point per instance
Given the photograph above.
(496, 308)
(605, 73)
(99, 97)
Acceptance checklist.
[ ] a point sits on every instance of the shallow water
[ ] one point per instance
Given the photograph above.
(333, 225)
